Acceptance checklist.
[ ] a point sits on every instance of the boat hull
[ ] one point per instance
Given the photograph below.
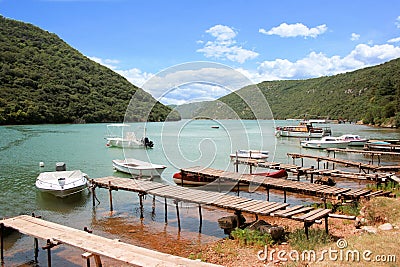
(62, 183)
(123, 143)
(193, 180)
(144, 170)
(319, 145)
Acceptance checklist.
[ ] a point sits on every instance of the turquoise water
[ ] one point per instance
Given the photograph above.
(177, 144)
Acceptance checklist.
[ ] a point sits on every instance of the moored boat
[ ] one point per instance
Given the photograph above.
(138, 168)
(305, 129)
(325, 142)
(354, 139)
(118, 137)
(250, 154)
(194, 180)
(62, 183)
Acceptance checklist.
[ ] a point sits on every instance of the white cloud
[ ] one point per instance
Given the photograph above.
(354, 36)
(135, 76)
(397, 23)
(294, 30)
(394, 40)
(224, 46)
(109, 63)
(318, 64)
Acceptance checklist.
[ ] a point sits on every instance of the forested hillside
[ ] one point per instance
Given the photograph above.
(371, 95)
(44, 80)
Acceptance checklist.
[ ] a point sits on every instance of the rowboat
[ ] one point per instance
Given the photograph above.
(62, 183)
(194, 180)
(138, 168)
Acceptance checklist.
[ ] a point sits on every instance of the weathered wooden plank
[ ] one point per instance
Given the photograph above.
(302, 217)
(318, 215)
(294, 212)
(97, 245)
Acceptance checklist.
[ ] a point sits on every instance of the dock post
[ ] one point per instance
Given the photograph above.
(284, 196)
(110, 195)
(165, 210)
(36, 248)
(177, 214)
(267, 193)
(237, 162)
(326, 224)
(312, 175)
(201, 218)
(306, 225)
(141, 205)
(93, 194)
(48, 248)
(2, 244)
(153, 206)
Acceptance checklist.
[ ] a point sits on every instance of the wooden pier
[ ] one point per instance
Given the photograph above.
(307, 215)
(284, 185)
(362, 166)
(93, 245)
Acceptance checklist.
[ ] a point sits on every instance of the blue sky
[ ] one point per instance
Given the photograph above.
(263, 40)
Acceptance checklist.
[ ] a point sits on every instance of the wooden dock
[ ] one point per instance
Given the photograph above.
(307, 215)
(284, 185)
(93, 245)
(362, 166)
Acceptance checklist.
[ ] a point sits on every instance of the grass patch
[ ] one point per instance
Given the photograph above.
(383, 209)
(388, 186)
(251, 237)
(316, 238)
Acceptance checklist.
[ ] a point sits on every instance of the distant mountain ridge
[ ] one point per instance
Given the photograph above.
(371, 95)
(44, 80)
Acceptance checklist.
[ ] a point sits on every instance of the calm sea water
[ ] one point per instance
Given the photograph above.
(177, 144)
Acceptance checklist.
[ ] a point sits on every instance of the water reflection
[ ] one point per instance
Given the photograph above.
(47, 201)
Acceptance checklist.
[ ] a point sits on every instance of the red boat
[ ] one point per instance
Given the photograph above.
(196, 180)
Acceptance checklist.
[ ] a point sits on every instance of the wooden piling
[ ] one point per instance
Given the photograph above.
(165, 210)
(48, 248)
(201, 219)
(177, 214)
(36, 248)
(284, 196)
(110, 195)
(2, 244)
(153, 206)
(141, 205)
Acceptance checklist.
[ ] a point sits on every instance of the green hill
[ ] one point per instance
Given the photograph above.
(371, 95)
(44, 80)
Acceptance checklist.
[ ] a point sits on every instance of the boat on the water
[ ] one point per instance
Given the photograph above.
(383, 145)
(138, 168)
(62, 183)
(354, 139)
(305, 129)
(195, 180)
(250, 154)
(325, 142)
(118, 135)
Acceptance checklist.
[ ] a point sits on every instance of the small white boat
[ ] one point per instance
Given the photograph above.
(250, 154)
(118, 135)
(138, 168)
(62, 183)
(325, 142)
(355, 140)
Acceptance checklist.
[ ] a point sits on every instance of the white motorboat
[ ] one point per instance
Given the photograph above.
(118, 135)
(138, 168)
(62, 183)
(325, 142)
(250, 154)
(355, 140)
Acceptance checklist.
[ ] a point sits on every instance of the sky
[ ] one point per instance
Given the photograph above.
(262, 40)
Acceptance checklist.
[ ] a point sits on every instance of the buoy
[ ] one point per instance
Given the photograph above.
(41, 164)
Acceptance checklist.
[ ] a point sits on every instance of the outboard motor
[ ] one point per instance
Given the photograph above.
(60, 166)
(148, 143)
